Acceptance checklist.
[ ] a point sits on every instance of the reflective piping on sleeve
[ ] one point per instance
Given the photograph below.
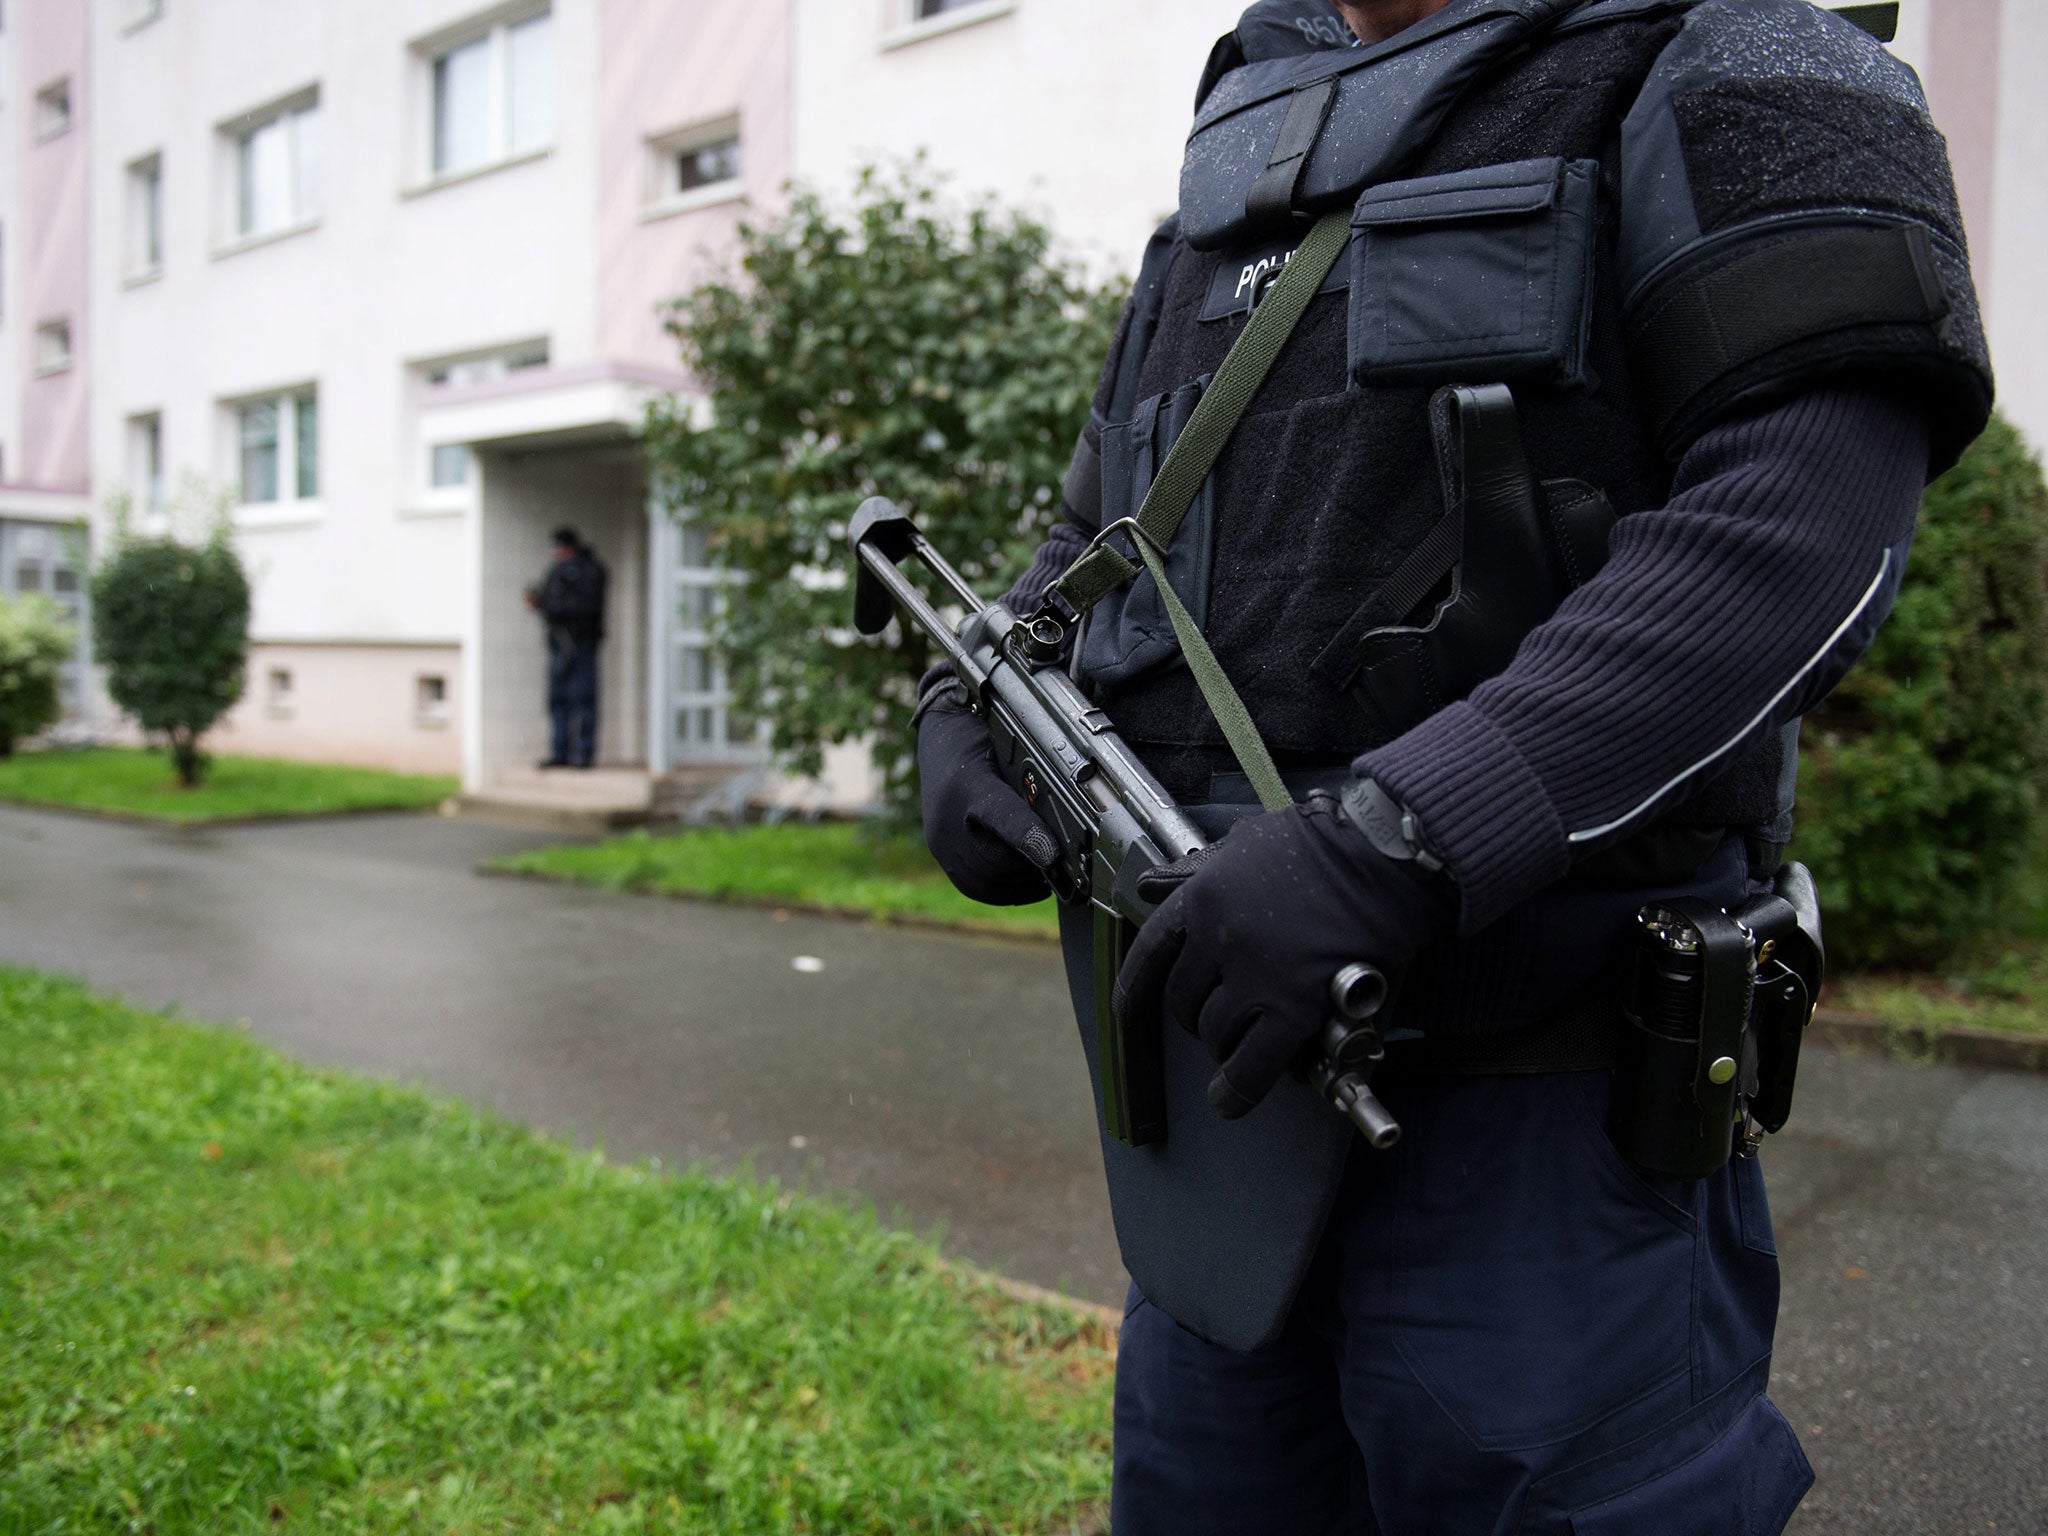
(1884, 566)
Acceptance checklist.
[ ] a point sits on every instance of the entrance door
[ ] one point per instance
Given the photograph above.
(50, 560)
(694, 710)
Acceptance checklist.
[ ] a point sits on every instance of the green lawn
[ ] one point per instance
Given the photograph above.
(836, 866)
(2010, 994)
(130, 781)
(847, 868)
(238, 1295)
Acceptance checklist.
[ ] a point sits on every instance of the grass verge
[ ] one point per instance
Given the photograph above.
(2009, 995)
(841, 867)
(828, 866)
(131, 781)
(238, 1295)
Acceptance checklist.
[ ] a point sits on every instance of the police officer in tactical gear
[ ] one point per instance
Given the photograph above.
(570, 598)
(1590, 464)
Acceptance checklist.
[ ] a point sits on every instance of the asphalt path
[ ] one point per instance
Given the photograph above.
(937, 1077)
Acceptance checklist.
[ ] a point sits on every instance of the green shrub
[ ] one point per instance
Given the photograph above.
(171, 626)
(35, 642)
(1920, 788)
(938, 353)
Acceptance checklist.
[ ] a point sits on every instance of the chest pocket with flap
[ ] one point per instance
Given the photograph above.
(1478, 276)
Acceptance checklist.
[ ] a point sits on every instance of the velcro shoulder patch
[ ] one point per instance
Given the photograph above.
(1789, 221)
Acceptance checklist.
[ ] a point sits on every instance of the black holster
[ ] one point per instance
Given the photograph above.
(1717, 1005)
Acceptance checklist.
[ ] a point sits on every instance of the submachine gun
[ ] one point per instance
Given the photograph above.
(1113, 821)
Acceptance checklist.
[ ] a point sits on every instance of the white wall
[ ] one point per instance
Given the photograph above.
(1078, 108)
(386, 277)
(349, 704)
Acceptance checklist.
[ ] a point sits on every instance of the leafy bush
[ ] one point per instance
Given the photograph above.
(35, 642)
(903, 346)
(1920, 789)
(171, 626)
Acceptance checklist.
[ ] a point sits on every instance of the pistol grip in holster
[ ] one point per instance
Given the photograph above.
(1791, 965)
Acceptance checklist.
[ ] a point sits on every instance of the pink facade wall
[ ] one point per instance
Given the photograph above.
(666, 65)
(1962, 92)
(50, 232)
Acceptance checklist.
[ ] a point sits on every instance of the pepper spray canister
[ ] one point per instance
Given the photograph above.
(1679, 1085)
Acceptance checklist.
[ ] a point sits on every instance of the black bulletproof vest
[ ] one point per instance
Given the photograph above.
(1331, 479)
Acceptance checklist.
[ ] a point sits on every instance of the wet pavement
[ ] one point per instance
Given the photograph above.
(937, 1078)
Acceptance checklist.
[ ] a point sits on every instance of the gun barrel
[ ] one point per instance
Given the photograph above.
(1363, 1108)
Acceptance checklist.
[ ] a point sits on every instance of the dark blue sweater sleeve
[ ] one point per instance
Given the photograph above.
(1723, 615)
(1062, 547)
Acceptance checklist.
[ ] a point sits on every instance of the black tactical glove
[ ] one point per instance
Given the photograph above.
(1242, 953)
(988, 841)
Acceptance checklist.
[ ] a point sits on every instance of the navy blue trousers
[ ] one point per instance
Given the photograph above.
(1506, 1328)
(572, 704)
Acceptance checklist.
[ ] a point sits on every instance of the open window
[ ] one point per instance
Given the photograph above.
(52, 112)
(693, 167)
(53, 347)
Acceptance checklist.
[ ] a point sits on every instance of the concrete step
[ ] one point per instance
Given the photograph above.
(486, 805)
(564, 799)
(680, 790)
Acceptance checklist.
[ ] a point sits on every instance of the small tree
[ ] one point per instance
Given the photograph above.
(35, 642)
(1921, 787)
(171, 626)
(905, 346)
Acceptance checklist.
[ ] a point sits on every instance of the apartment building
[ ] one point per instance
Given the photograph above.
(380, 279)
(45, 318)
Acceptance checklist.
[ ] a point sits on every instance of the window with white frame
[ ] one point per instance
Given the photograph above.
(277, 441)
(692, 165)
(915, 20)
(492, 95)
(53, 109)
(430, 699)
(146, 463)
(484, 367)
(276, 175)
(146, 216)
(53, 346)
(280, 695)
(448, 466)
